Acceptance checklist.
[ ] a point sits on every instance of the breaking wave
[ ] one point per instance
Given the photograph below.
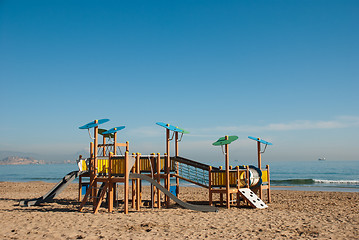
(349, 182)
(310, 181)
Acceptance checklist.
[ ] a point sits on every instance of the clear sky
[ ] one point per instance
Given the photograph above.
(285, 71)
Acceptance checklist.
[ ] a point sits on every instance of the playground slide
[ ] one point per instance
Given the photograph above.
(55, 191)
(200, 208)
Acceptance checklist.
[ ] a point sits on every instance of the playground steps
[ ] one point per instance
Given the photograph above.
(252, 198)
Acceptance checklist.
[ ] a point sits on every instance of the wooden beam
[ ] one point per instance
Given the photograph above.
(167, 166)
(227, 174)
(126, 183)
(110, 184)
(268, 186)
(138, 182)
(159, 179)
(210, 185)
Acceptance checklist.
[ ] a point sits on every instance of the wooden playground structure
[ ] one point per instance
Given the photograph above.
(106, 167)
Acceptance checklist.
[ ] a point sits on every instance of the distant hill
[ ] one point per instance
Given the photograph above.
(15, 160)
(31, 158)
(5, 154)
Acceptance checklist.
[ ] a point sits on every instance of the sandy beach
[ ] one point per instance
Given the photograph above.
(291, 215)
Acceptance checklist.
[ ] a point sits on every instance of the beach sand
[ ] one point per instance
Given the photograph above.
(291, 215)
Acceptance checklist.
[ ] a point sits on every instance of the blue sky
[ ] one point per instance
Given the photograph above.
(286, 71)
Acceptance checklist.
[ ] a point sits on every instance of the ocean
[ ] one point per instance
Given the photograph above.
(315, 175)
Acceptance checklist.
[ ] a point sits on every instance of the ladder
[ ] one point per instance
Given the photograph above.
(252, 198)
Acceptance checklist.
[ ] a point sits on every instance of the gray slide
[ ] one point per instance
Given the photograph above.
(200, 208)
(55, 191)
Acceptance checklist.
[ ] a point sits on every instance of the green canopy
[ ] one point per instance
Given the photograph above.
(100, 131)
(223, 141)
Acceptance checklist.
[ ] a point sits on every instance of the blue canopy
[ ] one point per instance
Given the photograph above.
(94, 124)
(113, 130)
(260, 140)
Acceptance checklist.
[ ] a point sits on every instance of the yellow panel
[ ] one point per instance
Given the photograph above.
(265, 175)
(83, 165)
(219, 178)
(105, 165)
(233, 178)
(99, 165)
(118, 165)
(215, 179)
(242, 179)
(115, 166)
(163, 163)
(145, 165)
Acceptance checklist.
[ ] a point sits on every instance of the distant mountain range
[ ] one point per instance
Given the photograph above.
(5, 154)
(21, 158)
(14, 160)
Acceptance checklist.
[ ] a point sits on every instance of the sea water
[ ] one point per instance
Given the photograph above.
(41, 172)
(315, 175)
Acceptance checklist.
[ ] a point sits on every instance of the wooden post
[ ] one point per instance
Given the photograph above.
(134, 182)
(259, 154)
(268, 190)
(153, 170)
(114, 143)
(80, 188)
(95, 166)
(115, 194)
(177, 164)
(104, 147)
(92, 172)
(227, 174)
(138, 184)
(159, 179)
(176, 144)
(95, 145)
(126, 183)
(110, 184)
(248, 176)
(248, 181)
(221, 194)
(167, 167)
(91, 156)
(210, 200)
(238, 186)
(259, 165)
